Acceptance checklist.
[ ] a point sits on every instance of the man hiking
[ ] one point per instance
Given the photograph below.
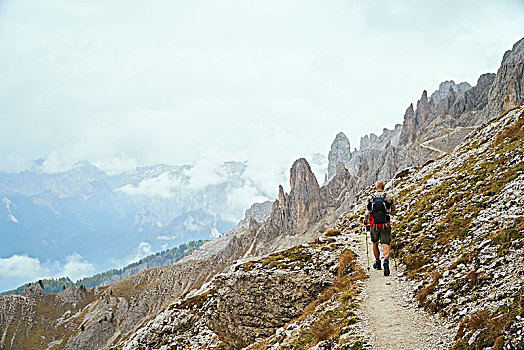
(378, 208)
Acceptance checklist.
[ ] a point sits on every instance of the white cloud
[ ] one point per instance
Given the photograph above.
(76, 267)
(19, 269)
(138, 252)
(166, 238)
(241, 199)
(204, 172)
(162, 186)
(22, 266)
(235, 81)
(144, 249)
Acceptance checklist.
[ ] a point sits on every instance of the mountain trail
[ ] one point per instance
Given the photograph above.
(390, 313)
(449, 132)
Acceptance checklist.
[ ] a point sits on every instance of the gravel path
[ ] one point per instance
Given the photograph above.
(390, 316)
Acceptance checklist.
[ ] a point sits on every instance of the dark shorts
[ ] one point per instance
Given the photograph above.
(382, 234)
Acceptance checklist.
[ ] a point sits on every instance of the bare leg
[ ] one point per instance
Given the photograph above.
(386, 248)
(376, 252)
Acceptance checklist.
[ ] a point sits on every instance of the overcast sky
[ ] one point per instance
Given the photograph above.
(125, 83)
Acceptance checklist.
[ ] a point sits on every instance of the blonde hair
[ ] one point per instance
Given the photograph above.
(379, 185)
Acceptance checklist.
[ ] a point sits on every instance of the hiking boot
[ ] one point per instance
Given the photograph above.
(386, 267)
(376, 265)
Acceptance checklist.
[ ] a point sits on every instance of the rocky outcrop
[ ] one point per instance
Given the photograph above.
(249, 302)
(254, 304)
(33, 290)
(340, 153)
(371, 147)
(408, 127)
(300, 215)
(444, 89)
(70, 296)
(258, 212)
(507, 90)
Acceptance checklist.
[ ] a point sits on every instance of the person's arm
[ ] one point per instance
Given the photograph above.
(368, 211)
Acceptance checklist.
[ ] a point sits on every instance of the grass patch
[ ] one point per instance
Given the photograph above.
(197, 301)
(331, 322)
(296, 256)
(332, 232)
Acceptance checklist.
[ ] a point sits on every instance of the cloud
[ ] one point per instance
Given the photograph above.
(240, 199)
(22, 266)
(19, 269)
(76, 267)
(143, 250)
(236, 81)
(205, 172)
(162, 186)
(136, 253)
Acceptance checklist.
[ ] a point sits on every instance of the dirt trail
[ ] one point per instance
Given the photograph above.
(390, 314)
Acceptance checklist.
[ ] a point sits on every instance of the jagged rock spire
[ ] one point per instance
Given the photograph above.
(340, 153)
(406, 135)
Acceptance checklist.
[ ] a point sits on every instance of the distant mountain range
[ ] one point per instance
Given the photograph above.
(111, 220)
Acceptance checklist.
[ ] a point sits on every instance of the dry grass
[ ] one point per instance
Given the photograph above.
(424, 292)
(332, 232)
(322, 330)
(414, 261)
(330, 322)
(513, 133)
(346, 263)
(479, 319)
(471, 277)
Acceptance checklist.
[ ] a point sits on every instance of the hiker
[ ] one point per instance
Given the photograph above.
(378, 208)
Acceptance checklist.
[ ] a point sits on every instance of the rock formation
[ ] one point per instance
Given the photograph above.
(258, 212)
(507, 90)
(340, 153)
(444, 89)
(440, 124)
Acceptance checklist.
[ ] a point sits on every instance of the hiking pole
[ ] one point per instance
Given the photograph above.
(393, 254)
(367, 246)
(393, 249)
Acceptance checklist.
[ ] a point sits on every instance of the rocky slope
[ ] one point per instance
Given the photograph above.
(121, 308)
(247, 303)
(460, 233)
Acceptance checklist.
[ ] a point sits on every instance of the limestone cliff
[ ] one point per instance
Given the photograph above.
(507, 90)
(444, 88)
(340, 153)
